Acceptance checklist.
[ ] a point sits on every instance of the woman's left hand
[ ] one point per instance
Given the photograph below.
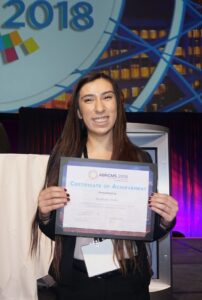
(164, 205)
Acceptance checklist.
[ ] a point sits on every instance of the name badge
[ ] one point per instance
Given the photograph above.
(99, 258)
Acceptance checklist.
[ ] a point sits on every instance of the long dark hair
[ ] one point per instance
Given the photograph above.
(72, 142)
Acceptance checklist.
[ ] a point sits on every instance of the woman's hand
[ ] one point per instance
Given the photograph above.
(164, 205)
(50, 199)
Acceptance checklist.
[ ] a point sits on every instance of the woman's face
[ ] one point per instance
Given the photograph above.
(98, 107)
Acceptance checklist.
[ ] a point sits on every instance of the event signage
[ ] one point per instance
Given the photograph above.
(45, 46)
(80, 11)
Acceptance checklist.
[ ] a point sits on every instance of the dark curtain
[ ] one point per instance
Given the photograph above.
(185, 164)
(4, 141)
(10, 123)
(40, 128)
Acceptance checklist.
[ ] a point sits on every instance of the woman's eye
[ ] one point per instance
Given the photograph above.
(86, 100)
(108, 97)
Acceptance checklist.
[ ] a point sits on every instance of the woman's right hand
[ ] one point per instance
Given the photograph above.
(52, 198)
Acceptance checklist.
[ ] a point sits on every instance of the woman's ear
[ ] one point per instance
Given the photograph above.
(79, 114)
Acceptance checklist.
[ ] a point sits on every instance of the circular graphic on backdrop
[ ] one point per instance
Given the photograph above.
(131, 48)
(165, 58)
(45, 46)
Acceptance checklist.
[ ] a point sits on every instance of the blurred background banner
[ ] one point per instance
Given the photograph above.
(152, 48)
(45, 46)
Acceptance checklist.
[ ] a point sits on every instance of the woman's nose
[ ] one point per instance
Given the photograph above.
(99, 105)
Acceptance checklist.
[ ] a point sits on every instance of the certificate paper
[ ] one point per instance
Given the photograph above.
(107, 198)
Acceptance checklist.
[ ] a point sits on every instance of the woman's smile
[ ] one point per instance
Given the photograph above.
(101, 120)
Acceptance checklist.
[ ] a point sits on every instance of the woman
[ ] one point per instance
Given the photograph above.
(95, 128)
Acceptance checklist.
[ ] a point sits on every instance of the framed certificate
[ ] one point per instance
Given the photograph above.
(108, 199)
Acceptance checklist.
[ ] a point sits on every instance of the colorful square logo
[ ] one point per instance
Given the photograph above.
(9, 42)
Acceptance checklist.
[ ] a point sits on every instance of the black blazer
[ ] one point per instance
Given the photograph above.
(69, 245)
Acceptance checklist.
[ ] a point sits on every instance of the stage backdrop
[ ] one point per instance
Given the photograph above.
(152, 48)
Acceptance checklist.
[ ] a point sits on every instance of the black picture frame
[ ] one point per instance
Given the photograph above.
(108, 167)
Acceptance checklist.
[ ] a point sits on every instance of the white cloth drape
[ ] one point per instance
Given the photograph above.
(21, 179)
